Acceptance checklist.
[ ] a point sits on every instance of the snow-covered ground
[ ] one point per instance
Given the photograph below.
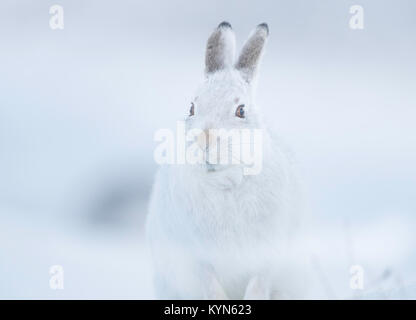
(103, 262)
(79, 106)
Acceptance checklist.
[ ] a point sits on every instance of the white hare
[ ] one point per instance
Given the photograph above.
(215, 232)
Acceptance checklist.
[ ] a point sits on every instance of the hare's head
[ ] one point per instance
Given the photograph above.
(225, 99)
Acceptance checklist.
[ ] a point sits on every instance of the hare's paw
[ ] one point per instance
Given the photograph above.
(214, 290)
(257, 289)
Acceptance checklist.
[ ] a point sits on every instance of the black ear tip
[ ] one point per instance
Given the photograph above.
(224, 24)
(264, 26)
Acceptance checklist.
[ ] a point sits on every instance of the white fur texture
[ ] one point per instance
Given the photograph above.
(215, 233)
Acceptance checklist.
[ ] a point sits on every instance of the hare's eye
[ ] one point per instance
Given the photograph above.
(191, 111)
(240, 111)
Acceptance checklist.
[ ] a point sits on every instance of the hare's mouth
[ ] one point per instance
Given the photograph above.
(210, 167)
(213, 167)
(217, 167)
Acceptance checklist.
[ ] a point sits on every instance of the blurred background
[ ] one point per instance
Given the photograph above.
(79, 107)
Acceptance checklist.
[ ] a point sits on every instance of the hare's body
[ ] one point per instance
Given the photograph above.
(215, 232)
(226, 233)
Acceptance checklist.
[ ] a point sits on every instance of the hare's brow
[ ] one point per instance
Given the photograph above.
(236, 100)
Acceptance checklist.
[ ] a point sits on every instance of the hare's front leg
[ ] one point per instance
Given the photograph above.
(187, 279)
(257, 289)
(213, 289)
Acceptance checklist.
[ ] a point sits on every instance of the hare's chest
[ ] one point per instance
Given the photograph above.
(233, 216)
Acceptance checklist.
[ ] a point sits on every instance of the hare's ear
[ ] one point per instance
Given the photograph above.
(252, 51)
(220, 48)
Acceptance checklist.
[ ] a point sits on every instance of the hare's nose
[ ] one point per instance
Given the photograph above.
(203, 139)
(206, 140)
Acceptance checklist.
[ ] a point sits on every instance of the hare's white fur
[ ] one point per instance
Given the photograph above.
(218, 233)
